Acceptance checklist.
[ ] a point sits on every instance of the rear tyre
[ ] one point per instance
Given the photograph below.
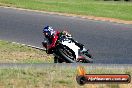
(58, 60)
(55, 59)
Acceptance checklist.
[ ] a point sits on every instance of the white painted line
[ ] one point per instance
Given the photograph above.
(28, 45)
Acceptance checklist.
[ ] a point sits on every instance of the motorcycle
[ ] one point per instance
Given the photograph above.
(67, 51)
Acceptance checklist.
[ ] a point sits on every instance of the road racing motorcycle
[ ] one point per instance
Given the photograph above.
(67, 51)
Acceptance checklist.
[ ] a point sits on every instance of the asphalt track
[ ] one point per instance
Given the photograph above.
(109, 43)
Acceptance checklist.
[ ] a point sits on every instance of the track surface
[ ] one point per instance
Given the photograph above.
(109, 43)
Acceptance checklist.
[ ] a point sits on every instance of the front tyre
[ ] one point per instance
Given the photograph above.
(66, 53)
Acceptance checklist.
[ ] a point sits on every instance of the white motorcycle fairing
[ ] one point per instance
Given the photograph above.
(72, 46)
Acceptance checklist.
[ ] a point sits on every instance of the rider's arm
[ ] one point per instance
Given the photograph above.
(55, 37)
(74, 40)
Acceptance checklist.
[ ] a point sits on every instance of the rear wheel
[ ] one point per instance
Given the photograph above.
(58, 60)
(55, 59)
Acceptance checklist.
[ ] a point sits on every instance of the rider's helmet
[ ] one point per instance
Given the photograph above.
(48, 31)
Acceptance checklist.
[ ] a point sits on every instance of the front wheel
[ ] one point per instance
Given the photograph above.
(66, 53)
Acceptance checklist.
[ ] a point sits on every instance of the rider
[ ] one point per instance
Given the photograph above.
(52, 36)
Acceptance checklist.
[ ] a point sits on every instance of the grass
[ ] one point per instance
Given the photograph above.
(53, 77)
(119, 10)
(13, 53)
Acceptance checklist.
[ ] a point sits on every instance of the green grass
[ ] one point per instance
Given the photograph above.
(120, 10)
(53, 77)
(14, 53)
